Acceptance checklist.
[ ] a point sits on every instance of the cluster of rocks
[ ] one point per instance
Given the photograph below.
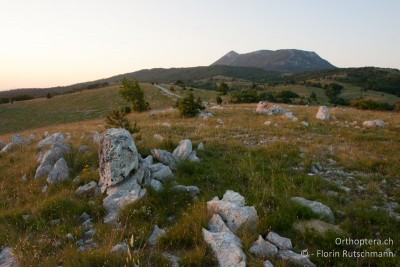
(230, 214)
(16, 140)
(51, 162)
(86, 242)
(7, 258)
(264, 108)
(374, 123)
(124, 173)
(347, 182)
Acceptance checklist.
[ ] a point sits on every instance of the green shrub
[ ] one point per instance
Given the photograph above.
(118, 119)
(189, 107)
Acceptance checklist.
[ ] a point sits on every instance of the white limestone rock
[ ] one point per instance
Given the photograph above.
(50, 140)
(233, 212)
(226, 247)
(323, 113)
(86, 189)
(59, 173)
(7, 258)
(279, 241)
(317, 207)
(155, 235)
(263, 249)
(165, 158)
(118, 157)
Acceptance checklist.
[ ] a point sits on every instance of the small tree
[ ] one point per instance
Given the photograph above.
(313, 96)
(223, 88)
(118, 119)
(188, 107)
(219, 100)
(133, 93)
(49, 95)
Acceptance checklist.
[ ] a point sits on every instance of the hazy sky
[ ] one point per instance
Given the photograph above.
(57, 42)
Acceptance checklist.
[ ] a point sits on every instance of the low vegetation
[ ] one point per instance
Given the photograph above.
(266, 164)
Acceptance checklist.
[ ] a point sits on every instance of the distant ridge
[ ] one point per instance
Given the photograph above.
(284, 60)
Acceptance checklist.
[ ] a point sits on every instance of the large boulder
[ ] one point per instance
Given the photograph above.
(227, 248)
(59, 173)
(323, 113)
(317, 207)
(7, 258)
(50, 140)
(118, 157)
(49, 158)
(233, 211)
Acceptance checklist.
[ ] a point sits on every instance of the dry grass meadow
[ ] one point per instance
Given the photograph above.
(267, 164)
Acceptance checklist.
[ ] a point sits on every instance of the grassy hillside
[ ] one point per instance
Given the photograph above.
(267, 164)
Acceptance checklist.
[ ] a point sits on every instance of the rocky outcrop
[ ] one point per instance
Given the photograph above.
(59, 173)
(118, 157)
(317, 207)
(264, 108)
(323, 113)
(183, 151)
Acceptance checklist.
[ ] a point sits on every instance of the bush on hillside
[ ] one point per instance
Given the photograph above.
(189, 107)
(370, 104)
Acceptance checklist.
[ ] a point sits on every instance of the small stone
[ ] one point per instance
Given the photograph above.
(155, 235)
(267, 123)
(200, 146)
(294, 258)
(280, 242)
(55, 222)
(263, 249)
(158, 137)
(156, 185)
(121, 248)
(174, 260)
(89, 234)
(84, 217)
(24, 178)
(267, 263)
(83, 149)
(70, 237)
(87, 188)
(317, 207)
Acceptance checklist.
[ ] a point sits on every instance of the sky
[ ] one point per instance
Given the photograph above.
(45, 43)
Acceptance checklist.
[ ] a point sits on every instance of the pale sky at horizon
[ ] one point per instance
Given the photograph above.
(48, 43)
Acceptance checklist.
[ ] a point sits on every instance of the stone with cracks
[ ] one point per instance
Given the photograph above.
(59, 173)
(121, 195)
(294, 258)
(233, 212)
(50, 140)
(49, 158)
(317, 207)
(227, 248)
(155, 235)
(7, 258)
(160, 172)
(87, 188)
(165, 158)
(184, 149)
(118, 157)
(263, 249)
(279, 241)
(323, 113)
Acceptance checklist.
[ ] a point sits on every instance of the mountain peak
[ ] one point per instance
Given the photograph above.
(286, 60)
